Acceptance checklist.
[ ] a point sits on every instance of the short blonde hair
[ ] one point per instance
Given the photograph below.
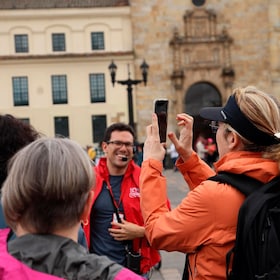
(47, 186)
(260, 108)
(263, 111)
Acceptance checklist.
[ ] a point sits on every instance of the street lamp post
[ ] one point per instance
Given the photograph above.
(129, 83)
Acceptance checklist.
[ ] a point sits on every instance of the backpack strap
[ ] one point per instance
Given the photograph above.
(241, 182)
(185, 275)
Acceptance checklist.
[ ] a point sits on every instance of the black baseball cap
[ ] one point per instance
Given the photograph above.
(232, 115)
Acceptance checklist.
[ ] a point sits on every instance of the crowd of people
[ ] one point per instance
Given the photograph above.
(43, 207)
(68, 213)
(206, 149)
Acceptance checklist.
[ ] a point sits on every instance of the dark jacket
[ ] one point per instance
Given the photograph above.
(81, 235)
(63, 257)
(11, 268)
(2, 219)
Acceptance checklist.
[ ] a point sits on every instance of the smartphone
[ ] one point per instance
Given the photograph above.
(161, 109)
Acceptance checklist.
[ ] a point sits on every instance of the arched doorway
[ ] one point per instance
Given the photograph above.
(201, 95)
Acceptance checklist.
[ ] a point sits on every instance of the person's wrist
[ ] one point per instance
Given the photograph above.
(155, 157)
(185, 155)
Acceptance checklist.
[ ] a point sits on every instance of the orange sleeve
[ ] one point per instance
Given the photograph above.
(194, 170)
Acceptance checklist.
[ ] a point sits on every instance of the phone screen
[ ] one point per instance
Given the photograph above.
(161, 109)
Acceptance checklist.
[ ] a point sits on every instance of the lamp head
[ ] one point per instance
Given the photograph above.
(144, 68)
(113, 69)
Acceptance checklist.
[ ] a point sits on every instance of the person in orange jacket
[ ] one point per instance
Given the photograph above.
(204, 224)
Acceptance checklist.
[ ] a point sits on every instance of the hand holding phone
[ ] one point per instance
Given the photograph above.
(161, 109)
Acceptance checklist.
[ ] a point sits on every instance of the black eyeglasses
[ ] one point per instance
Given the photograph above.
(214, 126)
(119, 144)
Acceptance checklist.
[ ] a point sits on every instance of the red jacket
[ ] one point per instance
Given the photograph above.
(130, 193)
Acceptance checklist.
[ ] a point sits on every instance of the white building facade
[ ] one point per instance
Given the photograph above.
(54, 67)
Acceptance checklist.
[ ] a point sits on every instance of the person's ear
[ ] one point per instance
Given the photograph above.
(234, 141)
(87, 208)
(104, 146)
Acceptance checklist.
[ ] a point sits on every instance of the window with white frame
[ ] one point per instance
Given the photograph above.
(21, 43)
(99, 124)
(97, 41)
(59, 89)
(58, 42)
(61, 126)
(25, 120)
(20, 91)
(97, 87)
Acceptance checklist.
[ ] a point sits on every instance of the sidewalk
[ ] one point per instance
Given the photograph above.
(172, 266)
(166, 274)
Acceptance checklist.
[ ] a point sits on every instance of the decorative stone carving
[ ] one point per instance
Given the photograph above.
(201, 47)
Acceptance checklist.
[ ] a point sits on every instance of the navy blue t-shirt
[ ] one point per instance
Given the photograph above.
(102, 243)
(2, 219)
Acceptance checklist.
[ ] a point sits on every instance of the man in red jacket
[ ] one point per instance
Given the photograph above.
(115, 222)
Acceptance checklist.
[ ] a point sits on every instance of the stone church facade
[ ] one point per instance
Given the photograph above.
(200, 50)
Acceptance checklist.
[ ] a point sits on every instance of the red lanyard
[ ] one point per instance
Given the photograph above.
(117, 211)
(115, 204)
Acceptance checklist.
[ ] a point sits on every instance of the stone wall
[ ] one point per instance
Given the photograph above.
(254, 26)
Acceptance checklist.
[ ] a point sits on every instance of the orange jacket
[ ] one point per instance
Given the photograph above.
(204, 224)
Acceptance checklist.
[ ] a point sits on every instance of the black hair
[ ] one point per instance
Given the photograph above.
(14, 135)
(118, 127)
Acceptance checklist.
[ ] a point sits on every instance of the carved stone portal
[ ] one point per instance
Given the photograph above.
(201, 54)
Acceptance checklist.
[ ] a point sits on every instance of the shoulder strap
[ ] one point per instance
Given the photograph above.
(243, 183)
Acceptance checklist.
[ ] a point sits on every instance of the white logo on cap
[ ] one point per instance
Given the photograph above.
(224, 115)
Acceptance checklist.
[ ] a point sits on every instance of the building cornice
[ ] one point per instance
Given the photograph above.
(64, 13)
(97, 56)
(56, 4)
